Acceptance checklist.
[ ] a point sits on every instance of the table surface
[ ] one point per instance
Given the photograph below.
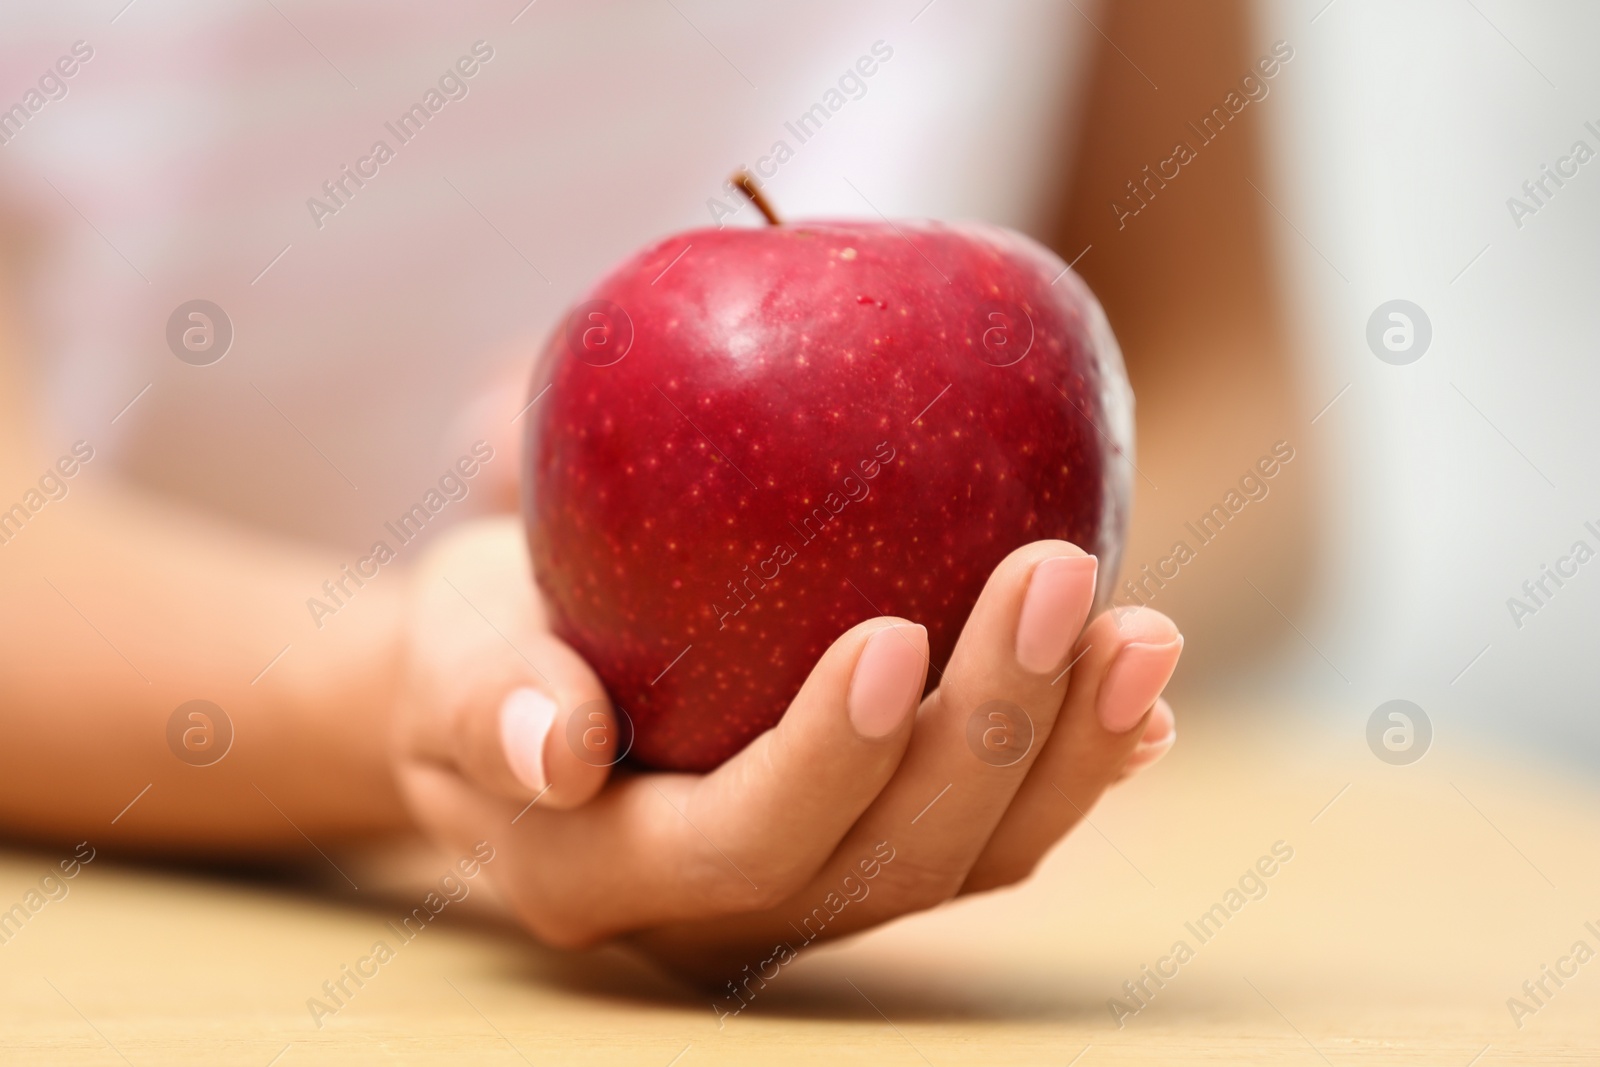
(1419, 899)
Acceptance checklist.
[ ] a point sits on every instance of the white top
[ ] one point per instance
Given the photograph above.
(185, 151)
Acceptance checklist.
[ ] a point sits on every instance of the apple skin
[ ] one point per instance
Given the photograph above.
(747, 450)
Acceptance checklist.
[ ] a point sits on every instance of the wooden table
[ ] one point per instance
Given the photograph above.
(1417, 901)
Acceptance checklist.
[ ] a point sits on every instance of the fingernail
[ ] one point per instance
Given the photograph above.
(1139, 674)
(525, 721)
(1159, 735)
(888, 680)
(1147, 753)
(1162, 727)
(1053, 611)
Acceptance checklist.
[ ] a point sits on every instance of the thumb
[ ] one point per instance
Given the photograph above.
(531, 723)
(556, 737)
(490, 693)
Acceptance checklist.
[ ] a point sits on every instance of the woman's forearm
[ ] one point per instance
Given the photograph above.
(115, 609)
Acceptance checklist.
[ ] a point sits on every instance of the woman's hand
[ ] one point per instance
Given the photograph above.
(861, 805)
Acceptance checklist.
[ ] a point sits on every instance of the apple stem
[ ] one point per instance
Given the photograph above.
(746, 184)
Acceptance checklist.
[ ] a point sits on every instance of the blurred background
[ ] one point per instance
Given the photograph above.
(1379, 162)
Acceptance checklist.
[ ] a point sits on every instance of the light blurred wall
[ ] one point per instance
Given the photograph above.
(1399, 136)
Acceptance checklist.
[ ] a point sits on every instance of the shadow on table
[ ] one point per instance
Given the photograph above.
(829, 987)
(822, 984)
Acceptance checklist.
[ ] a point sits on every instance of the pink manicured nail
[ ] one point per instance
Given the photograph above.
(1146, 754)
(1136, 678)
(1161, 728)
(1053, 611)
(888, 680)
(1159, 735)
(525, 721)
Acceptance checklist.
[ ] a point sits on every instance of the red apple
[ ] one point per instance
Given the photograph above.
(745, 441)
